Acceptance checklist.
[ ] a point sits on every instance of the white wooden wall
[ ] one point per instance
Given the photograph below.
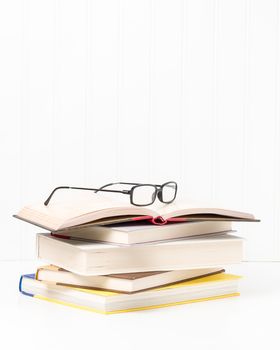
(93, 91)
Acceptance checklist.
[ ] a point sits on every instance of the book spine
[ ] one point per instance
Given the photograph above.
(32, 276)
(140, 218)
(158, 220)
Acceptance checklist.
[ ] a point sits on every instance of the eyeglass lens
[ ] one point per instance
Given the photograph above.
(168, 192)
(144, 195)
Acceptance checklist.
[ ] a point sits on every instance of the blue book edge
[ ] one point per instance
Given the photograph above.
(32, 276)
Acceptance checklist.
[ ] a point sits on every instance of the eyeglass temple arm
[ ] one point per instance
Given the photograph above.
(113, 183)
(52, 193)
(121, 183)
(136, 183)
(81, 188)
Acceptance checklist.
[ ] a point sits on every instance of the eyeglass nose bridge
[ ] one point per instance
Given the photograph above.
(159, 193)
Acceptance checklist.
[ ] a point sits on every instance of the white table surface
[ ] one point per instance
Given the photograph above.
(251, 321)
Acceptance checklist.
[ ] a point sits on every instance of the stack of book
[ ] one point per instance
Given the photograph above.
(109, 257)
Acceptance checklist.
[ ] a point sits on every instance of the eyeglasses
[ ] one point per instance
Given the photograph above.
(140, 194)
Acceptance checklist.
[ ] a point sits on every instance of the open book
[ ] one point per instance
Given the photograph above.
(98, 210)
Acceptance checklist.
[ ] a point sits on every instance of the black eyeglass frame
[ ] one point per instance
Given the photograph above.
(157, 193)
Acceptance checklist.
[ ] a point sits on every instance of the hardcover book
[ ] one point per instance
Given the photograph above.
(141, 232)
(126, 282)
(105, 302)
(92, 258)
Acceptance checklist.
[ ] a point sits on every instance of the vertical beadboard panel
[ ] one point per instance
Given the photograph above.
(166, 94)
(231, 106)
(70, 90)
(276, 182)
(36, 109)
(102, 91)
(10, 71)
(133, 105)
(230, 102)
(200, 81)
(260, 125)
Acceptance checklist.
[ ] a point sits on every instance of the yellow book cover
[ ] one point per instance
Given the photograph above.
(218, 286)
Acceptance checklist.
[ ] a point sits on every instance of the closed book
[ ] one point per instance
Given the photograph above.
(134, 233)
(126, 282)
(91, 258)
(105, 302)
